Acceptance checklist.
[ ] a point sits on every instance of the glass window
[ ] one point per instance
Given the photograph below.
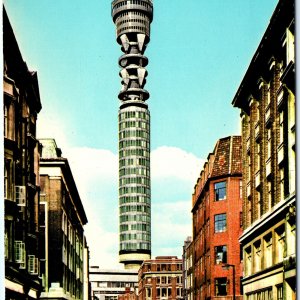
(5, 182)
(280, 292)
(220, 191)
(248, 261)
(268, 251)
(220, 254)
(5, 123)
(220, 286)
(220, 223)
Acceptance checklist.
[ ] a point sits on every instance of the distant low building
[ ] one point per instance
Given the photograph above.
(217, 223)
(160, 278)
(187, 269)
(64, 257)
(266, 98)
(112, 284)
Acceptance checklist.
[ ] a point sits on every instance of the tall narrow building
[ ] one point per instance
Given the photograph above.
(132, 19)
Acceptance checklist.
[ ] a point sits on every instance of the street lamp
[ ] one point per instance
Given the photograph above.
(226, 267)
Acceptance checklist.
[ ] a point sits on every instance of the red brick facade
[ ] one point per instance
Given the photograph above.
(217, 208)
(160, 278)
(128, 295)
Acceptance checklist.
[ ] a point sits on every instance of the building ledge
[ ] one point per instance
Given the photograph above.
(267, 218)
(277, 268)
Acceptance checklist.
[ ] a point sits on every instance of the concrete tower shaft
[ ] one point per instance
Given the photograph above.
(132, 19)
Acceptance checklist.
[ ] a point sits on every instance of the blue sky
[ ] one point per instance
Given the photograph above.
(198, 54)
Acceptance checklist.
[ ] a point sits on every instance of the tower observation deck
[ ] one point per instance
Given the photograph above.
(132, 19)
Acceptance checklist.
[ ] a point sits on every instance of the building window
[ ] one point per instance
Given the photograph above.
(241, 219)
(280, 292)
(220, 254)
(248, 261)
(208, 288)
(265, 294)
(269, 186)
(268, 250)
(269, 144)
(220, 223)
(169, 292)
(148, 292)
(5, 182)
(281, 172)
(281, 128)
(258, 156)
(257, 256)
(6, 246)
(280, 243)
(220, 191)
(20, 254)
(220, 286)
(5, 124)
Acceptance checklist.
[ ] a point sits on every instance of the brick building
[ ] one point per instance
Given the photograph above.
(21, 105)
(217, 207)
(128, 295)
(64, 257)
(266, 97)
(187, 269)
(160, 278)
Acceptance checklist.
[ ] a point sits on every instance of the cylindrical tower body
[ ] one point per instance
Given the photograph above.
(132, 19)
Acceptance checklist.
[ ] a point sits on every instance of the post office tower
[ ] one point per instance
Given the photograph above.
(132, 19)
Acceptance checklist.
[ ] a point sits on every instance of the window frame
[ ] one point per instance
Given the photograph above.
(219, 189)
(224, 254)
(217, 223)
(217, 285)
